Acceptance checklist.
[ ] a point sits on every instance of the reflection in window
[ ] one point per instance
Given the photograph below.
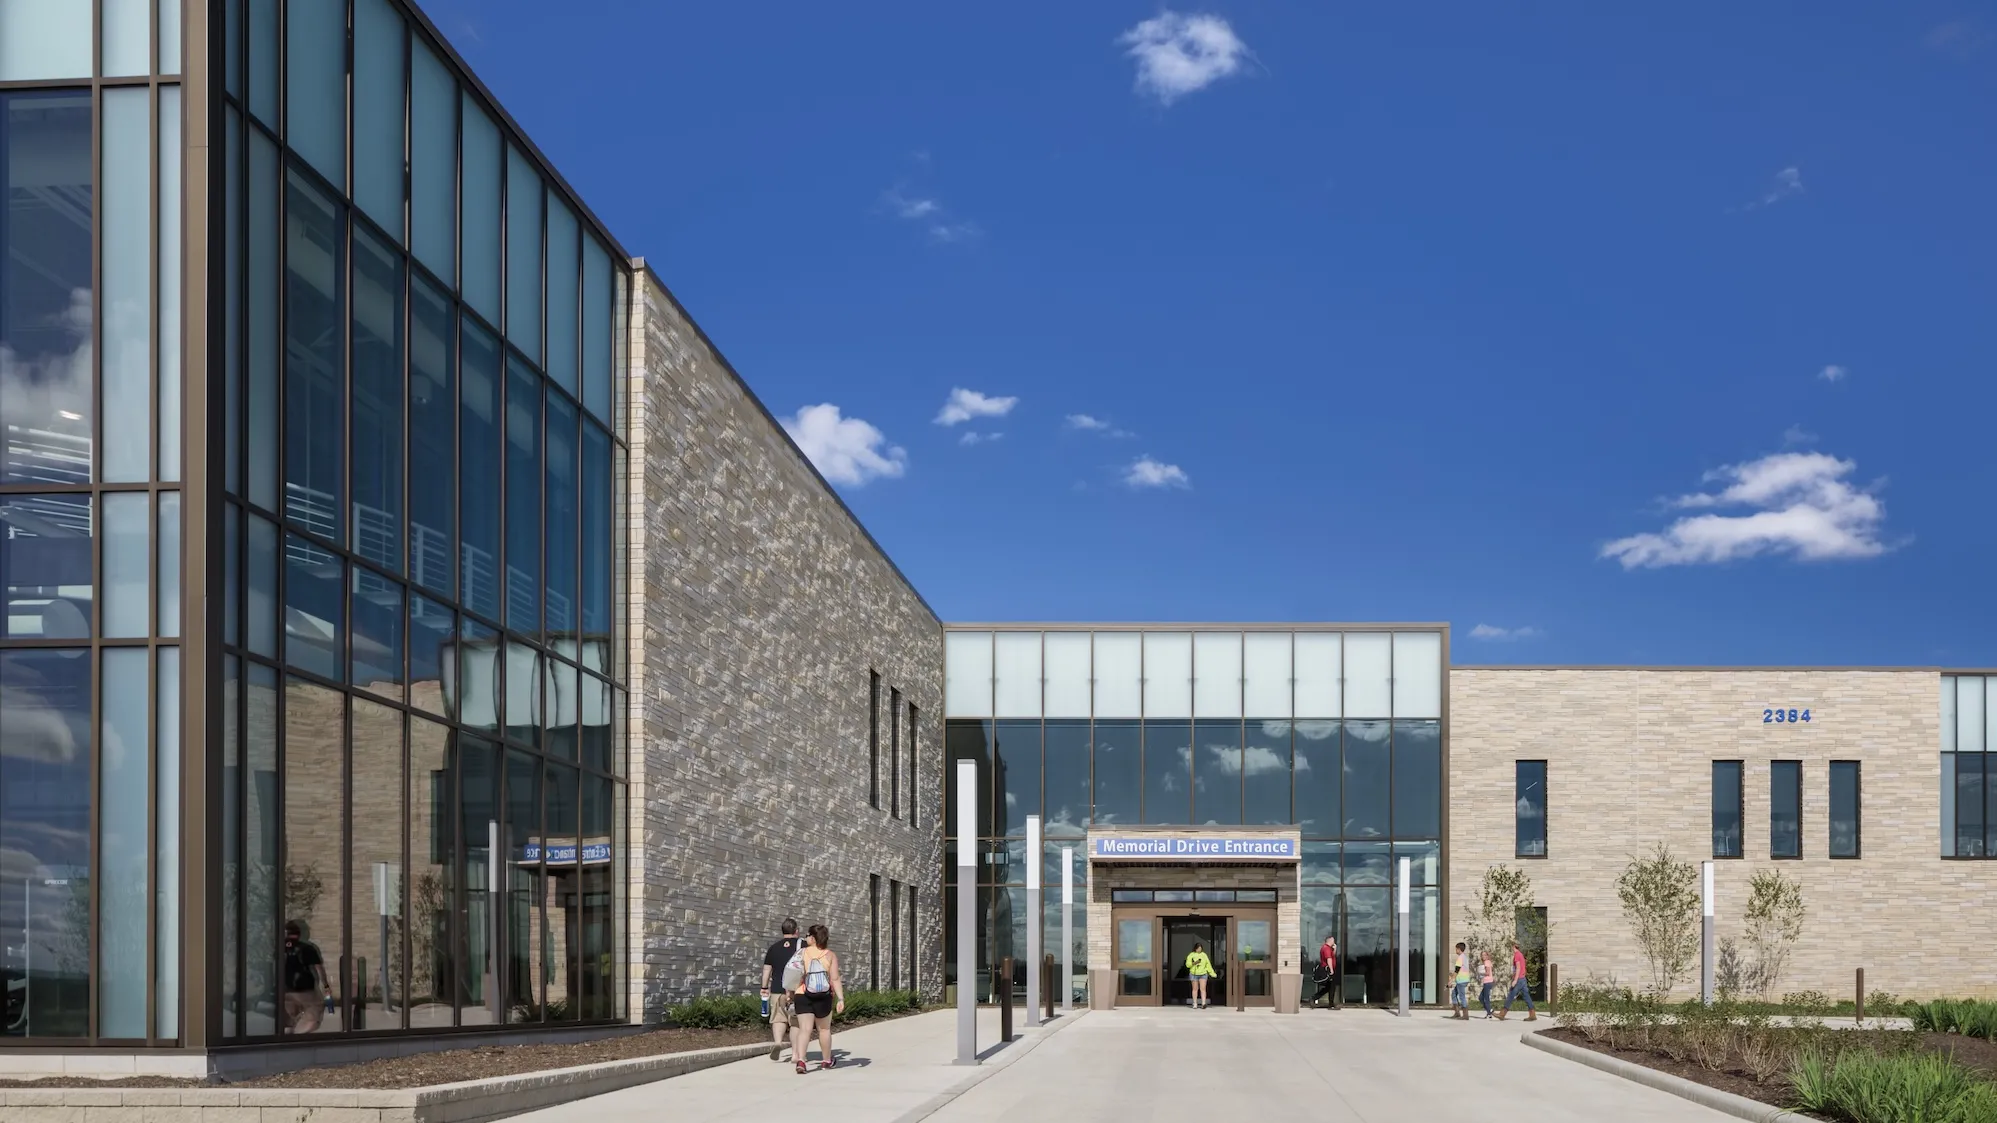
(315, 400)
(433, 460)
(1844, 809)
(1168, 772)
(45, 801)
(45, 316)
(1265, 773)
(561, 854)
(378, 85)
(125, 283)
(560, 542)
(1417, 779)
(1785, 809)
(967, 740)
(522, 878)
(523, 498)
(377, 634)
(524, 197)
(377, 402)
(433, 634)
(1529, 800)
(45, 565)
(478, 504)
(597, 550)
(1317, 777)
(479, 1000)
(562, 277)
(479, 210)
(1119, 772)
(313, 623)
(122, 861)
(1067, 756)
(1726, 809)
(127, 563)
(262, 1012)
(433, 879)
(1367, 779)
(433, 151)
(315, 72)
(380, 995)
(1217, 772)
(314, 883)
(1019, 774)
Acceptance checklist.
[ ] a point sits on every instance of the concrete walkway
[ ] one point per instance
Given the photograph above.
(1349, 1066)
(888, 1071)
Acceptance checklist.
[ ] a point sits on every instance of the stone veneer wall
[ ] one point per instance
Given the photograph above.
(1629, 757)
(758, 605)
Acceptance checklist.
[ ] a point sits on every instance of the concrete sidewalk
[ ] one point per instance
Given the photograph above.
(887, 1071)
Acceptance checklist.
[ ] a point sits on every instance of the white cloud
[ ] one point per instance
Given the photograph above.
(846, 450)
(1794, 503)
(1834, 373)
(1085, 423)
(964, 404)
(973, 437)
(1493, 632)
(1787, 185)
(1179, 54)
(1146, 472)
(1797, 435)
(910, 207)
(934, 217)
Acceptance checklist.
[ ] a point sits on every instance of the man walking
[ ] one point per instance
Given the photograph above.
(1326, 975)
(776, 1000)
(1459, 983)
(1521, 988)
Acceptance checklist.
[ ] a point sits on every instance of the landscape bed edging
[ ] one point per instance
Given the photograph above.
(1740, 1107)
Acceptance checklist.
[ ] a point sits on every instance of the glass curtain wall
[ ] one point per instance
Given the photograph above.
(423, 772)
(1969, 767)
(1338, 733)
(90, 522)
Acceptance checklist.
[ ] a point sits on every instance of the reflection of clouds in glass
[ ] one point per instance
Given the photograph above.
(50, 392)
(1527, 809)
(1317, 730)
(1368, 730)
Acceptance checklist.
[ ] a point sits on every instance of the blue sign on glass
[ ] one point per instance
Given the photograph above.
(1183, 847)
(564, 854)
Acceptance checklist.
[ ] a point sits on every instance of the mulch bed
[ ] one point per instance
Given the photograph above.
(448, 1066)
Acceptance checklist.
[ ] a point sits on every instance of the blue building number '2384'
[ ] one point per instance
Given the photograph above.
(1780, 716)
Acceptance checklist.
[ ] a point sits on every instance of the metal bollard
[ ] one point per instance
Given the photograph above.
(1552, 988)
(1047, 977)
(1858, 1005)
(1004, 996)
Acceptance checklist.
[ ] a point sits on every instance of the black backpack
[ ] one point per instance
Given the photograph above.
(297, 973)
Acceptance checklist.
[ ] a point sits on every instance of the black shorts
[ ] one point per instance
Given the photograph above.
(817, 1005)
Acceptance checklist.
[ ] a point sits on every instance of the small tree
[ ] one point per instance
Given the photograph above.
(1774, 917)
(1660, 898)
(1502, 913)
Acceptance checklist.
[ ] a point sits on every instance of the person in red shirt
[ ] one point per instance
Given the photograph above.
(1327, 969)
(1520, 987)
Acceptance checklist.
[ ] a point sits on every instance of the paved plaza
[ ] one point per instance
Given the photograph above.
(1352, 1066)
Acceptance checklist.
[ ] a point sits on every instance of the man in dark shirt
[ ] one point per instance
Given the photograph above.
(774, 962)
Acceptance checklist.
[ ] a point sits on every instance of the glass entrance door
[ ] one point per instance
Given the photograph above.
(1254, 968)
(1136, 973)
(1182, 934)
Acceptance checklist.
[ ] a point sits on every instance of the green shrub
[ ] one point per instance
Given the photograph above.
(717, 1012)
(1902, 1087)
(881, 1003)
(1809, 1002)
(1950, 1015)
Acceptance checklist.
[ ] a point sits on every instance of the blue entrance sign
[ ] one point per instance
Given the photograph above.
(565, 854)
(1179, 848)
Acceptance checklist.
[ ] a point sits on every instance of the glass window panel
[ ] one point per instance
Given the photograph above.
(972, 741)
(1948, 713)
(1726, 809)
(1119, 675)
(1969, 715)
(45, 563)
(1970, 804)
(434, 876)
(433, 636)
(1217, 674)
(169, 36)
(560, 708)
(378, 88)
(377, 634)
(596, 329)
(313, 622)
(1418, 674)
(598, 549)
(1367, 778)
(1317, 775)
(1529, 800)
(1320, 661)
(376, 860)
(1168, 772)
(264, 285)
(261, 861)
(563, 276)
(561, 852)
(234, 303)
(1320, 864)
(1948, 804)
(232, 34)
(128, 556)
(169, 564)
(169, 273)
(1168, 675)
(263, 60)
(521, 926)
(478, 694)
(126, 29)
(479, 209)
(1265, 673)
(1019, 772)
(524, 688)
(315, 884)
(479, 446)
(602, 718)
(125, 283)
(45, 800)
(479, 812)
(1369, 863)
(524, 196)
(1265, 772)
(44, 39)
(124, 780)
(1785, 809)
(377, 402)
(1067, 764)
(561, 539)
(1217, 772)
(1417, 779)
(1066, 690)
(433, 460)
(433, 161)
(1368, 671)
(1989, 713)
(45, 316)
(315, 84)
(261, 612)
(1844, 835)
(232, 575)
(523, 498)
(967, 685)
(1017, 673)
(314, 385)
(1118, 752)
(166, 843)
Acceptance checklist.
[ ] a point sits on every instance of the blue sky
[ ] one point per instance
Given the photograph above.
(1606, 334)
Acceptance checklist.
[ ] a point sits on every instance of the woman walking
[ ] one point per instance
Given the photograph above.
(820, 993)
(1200, 967)
(1488, 978)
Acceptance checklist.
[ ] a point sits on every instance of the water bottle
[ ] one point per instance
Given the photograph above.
(766, 1007)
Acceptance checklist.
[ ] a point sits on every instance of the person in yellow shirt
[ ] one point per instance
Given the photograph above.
(1199, 966)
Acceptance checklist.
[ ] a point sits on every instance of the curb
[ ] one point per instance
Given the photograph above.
(1020, 1047)
(1740, 1107)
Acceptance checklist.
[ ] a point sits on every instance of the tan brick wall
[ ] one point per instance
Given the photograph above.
(1629, 757)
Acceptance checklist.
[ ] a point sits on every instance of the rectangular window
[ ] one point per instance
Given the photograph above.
(894, 753)
(1785, 809)
(1726, 809)
(1530, 800)
(913, 772)
(1844, 809)
(894, 934)
(914, 941)
(874, 931)
(874, 739)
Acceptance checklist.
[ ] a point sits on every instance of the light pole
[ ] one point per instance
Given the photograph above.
(967, 912)
(1406, 876)
(1067, 929)
(1706, 933)
(1036, 922)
